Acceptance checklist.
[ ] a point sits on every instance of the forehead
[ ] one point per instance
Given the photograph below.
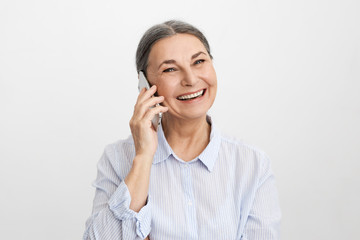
(177, 46)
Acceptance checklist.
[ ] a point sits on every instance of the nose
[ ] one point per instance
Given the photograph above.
(189, 78)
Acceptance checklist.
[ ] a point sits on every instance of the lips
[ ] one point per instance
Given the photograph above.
(189, 96)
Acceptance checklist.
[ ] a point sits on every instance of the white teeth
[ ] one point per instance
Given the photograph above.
(185, 97)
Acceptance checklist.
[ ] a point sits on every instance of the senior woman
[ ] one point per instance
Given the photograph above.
(183, 180)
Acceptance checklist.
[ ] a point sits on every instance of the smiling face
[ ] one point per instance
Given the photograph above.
(183, 72)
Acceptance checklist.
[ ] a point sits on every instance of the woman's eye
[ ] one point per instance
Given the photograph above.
(169, 70)
(199, 61)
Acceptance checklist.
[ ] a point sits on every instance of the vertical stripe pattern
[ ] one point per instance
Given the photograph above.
(227, 192)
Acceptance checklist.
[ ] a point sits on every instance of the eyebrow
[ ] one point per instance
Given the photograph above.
(197, 54)
(170, 61)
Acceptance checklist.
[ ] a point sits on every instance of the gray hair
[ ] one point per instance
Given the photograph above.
(160, 31)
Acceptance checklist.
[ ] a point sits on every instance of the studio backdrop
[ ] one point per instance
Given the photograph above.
(288, 82)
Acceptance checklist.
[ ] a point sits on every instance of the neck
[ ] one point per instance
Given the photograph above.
(187, 137)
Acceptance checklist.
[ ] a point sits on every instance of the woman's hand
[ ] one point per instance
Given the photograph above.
(143, 133)
(145, 140)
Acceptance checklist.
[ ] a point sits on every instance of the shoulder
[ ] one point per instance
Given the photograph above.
(120, 146)
(119, 154)
(251, 164)
(242, 152)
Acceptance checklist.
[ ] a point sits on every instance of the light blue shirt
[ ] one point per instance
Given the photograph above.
(227, 192)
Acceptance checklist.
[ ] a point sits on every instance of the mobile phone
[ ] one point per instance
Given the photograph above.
(143, 83)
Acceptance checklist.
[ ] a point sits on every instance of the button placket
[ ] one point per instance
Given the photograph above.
(190, 209)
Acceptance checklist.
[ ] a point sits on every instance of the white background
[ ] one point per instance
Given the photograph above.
(288, 82)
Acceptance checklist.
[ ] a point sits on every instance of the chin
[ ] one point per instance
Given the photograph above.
(192, 115)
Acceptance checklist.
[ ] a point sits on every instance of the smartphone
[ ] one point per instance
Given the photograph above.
(143, 83)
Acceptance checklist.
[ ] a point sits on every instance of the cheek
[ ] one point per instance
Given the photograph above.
(210, 75)
(165, 90)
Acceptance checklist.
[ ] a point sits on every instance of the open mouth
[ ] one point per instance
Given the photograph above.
(192, 96)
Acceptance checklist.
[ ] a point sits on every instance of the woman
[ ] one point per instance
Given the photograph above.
(184, 180)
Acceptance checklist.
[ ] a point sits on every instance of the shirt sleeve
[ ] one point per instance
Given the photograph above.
(264, 217)
(112, 217)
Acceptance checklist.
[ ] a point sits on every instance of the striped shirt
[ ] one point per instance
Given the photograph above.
(227, 192)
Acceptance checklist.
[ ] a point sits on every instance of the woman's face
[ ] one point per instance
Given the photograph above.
(183, 72)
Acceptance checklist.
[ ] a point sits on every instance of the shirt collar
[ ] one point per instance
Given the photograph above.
(163, 150)
(207, 157)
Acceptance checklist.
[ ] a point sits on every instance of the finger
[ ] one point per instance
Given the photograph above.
(152, 101)
(140, 97)
(141, 108)
(150, 114)
(147, 94)
(142, 91)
